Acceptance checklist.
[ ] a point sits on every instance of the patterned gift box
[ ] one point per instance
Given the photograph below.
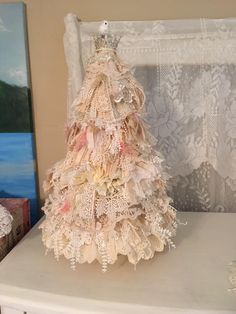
(20, 211)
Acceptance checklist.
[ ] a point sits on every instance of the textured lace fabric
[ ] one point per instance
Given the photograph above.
(232, 275)
(5, 222)
(108, 196)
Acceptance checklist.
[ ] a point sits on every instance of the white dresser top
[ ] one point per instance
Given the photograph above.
(193, 278)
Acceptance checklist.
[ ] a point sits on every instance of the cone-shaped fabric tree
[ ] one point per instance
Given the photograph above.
(108, 196)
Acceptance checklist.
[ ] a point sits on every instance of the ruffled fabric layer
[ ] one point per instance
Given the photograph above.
(108, 196)
(137, 239)
(108, 94)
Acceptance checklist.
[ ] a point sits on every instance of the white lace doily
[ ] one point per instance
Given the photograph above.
(5, 221)
(232, 275)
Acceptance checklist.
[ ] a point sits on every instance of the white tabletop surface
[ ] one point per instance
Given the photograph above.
(193, 278)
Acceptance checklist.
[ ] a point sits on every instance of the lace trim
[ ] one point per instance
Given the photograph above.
(134, 238)
(5, 222)
(108, 196)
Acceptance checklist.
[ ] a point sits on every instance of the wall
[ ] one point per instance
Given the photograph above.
(48, 67)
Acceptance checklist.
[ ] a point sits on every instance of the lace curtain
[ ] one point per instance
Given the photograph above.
(188, 71)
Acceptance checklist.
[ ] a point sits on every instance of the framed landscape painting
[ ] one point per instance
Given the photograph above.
(18, 176)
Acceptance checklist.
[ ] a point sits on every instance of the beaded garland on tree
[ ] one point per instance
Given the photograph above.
(108, 196)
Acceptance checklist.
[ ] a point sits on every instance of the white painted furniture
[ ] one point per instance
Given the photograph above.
(190, 279)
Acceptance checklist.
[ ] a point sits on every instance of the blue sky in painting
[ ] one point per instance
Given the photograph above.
(13, 63)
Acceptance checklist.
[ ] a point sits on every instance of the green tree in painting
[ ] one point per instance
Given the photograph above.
(15, 108)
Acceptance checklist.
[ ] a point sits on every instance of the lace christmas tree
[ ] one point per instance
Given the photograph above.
(108, 196)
